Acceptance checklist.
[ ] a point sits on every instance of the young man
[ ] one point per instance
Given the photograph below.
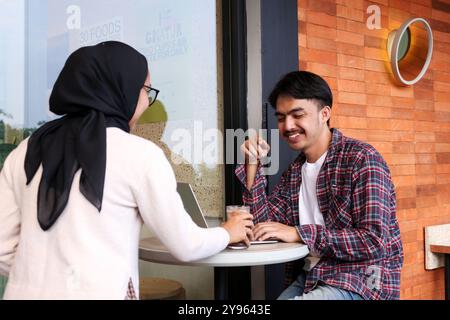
(337, 197)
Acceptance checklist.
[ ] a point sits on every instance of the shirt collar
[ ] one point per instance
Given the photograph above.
(337, 142)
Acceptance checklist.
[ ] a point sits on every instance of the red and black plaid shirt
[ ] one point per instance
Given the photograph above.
(359, 245)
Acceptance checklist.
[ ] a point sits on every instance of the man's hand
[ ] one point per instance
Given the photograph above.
(266, 230)
(239, 227)
(253, 149)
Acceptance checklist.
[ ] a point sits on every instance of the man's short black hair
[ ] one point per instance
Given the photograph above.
(303, 85)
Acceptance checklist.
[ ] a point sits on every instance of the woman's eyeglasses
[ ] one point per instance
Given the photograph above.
(152, 94)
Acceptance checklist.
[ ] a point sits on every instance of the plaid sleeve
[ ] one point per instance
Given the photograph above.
(266, 208)
(368, 237)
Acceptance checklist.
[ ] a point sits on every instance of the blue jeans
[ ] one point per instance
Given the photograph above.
(321, 292)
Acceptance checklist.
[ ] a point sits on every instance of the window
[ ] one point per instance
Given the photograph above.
(179, 39)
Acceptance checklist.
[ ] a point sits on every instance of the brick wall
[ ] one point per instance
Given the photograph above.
(410, 126)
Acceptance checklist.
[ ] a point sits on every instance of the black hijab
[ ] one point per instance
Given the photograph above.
(97, 88)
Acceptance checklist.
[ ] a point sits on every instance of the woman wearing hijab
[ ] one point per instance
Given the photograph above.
(74, 195)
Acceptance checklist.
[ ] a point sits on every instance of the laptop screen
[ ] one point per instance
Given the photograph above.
(191, 204)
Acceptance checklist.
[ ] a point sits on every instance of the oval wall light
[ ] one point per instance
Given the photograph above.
(399, 43)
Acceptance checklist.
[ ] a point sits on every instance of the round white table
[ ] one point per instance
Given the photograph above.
(150, 249)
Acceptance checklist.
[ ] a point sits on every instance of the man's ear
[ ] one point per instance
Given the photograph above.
(325, 114)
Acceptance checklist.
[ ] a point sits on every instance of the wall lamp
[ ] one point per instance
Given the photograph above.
(407, 51)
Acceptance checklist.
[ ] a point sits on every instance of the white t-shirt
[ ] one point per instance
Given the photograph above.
(309, 212)
(88, 254)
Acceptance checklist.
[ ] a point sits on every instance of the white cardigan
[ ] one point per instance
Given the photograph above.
(92, 255)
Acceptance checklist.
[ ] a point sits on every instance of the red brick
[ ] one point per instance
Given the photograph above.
(377, 88)
(406, 203)
(403, 170)
(321, 18)
(442, 147)
(442, 137)
(321, 44)
(424, 105)
(426, 137)
(302, 40)
(438, 35)
(402, 135)
(320, 56)
(382, 147)
(424, 115)
(350, 13)
(442, 117)
(402, 181)
(443, 178)
(351, 26)
(441, 46)
(442, 86)
(301, 12)
(379, 112)
(400, 4)
(351, 86)
(403, 159)
(405, 192)
(351, 74)
(350, 122)
(425, 169)
(375, 54)
(350, 37)
(443, 157)
(403, 103)
(424, 84)
(379, 100)
(442, 106)
(323, 6)
(351, 98)
(424, 147)
(378, 135)
(322, 69)
(354, 110)
(426, 190)
(402, 125)
(383, 2)
(426, 202)
(376, 77)
(406, 92)
(425, 126)
(374, 42)
(301, 27)
(442, 127)
(359, 134)
(443, 168)
(357, 4)
(397, 14)
(402, 114)
(440, 15)
(407, 237)
(313, 30)
(350, 49)
(441, 76)
(403, 147)
(375, 65)
(426, 158)
(427, 179)
(420, 11)
(350, 61)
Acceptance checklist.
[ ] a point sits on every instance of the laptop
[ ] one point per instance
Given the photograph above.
(192, 207)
